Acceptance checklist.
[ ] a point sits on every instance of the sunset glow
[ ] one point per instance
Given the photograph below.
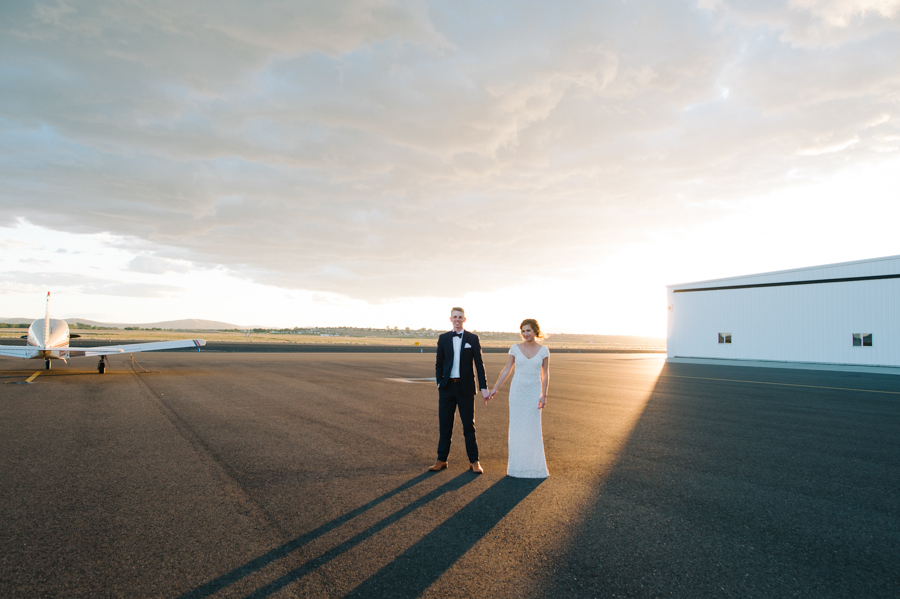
(374, 164)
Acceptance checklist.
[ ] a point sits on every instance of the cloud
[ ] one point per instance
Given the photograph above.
(35, 282)
(384, 149)
(845, 13)
(16, 244)
(813, 23)
(155, 265)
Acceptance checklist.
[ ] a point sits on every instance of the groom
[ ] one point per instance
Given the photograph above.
(457, 351)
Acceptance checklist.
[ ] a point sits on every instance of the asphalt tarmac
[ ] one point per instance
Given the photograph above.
(339, 347)
(303, 475)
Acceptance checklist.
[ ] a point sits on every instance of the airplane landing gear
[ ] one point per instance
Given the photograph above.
(101, 367)
(47, 364)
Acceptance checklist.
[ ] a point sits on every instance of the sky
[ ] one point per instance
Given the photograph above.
(374, 163)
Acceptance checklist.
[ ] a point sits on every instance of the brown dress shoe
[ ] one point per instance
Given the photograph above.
(476, 467)
(438, 466)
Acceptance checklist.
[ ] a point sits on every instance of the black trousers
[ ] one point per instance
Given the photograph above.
(452, 398)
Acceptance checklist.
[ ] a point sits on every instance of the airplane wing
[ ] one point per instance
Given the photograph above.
(17, 351)
(135, 347)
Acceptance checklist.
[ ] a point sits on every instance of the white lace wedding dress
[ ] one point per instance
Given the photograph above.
(526, 440)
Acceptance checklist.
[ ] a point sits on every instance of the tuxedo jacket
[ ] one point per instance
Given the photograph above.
(471, 355)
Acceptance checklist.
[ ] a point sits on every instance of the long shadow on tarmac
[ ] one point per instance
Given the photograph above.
(416, 569)
(329, 555)
(743, 482)
(217, 584)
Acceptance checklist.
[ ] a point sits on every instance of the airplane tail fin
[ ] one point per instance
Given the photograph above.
(47, 323)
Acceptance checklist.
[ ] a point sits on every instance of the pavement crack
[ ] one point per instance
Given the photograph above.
(233, 487)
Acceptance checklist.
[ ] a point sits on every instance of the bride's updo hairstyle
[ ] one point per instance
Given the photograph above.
(534, 327)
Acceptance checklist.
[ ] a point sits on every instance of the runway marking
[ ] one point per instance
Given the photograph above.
(702, 378)
(58, 373)
(427, 380)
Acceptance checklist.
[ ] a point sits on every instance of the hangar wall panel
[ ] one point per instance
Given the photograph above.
(812, 322)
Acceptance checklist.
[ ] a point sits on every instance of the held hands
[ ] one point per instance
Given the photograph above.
(486, 395)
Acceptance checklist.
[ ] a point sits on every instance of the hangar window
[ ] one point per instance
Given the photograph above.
(862, 339)
(724, 337)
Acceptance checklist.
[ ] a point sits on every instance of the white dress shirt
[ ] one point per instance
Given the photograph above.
(457, 350)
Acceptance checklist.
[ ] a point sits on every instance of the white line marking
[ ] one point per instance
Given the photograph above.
(702, 378)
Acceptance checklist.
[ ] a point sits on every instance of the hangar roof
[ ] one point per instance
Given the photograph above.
(887, 267)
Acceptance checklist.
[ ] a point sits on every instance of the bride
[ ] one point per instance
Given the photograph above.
(527, 398)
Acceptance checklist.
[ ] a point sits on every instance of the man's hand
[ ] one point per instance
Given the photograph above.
(487, 395)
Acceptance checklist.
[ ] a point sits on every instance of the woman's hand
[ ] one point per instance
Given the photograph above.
(542, 401)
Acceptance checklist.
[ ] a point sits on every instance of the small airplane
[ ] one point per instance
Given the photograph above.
(48, 339)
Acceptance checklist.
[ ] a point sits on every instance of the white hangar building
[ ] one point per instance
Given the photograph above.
(836, 315)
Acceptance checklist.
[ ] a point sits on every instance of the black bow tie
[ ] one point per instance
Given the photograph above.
(456, 334)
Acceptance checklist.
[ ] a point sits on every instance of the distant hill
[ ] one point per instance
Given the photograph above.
(25, 321)
(187, 323)
(606, 339)
(197, 324)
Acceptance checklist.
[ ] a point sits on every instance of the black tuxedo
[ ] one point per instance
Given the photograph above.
(470, 355)
(460, 393)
